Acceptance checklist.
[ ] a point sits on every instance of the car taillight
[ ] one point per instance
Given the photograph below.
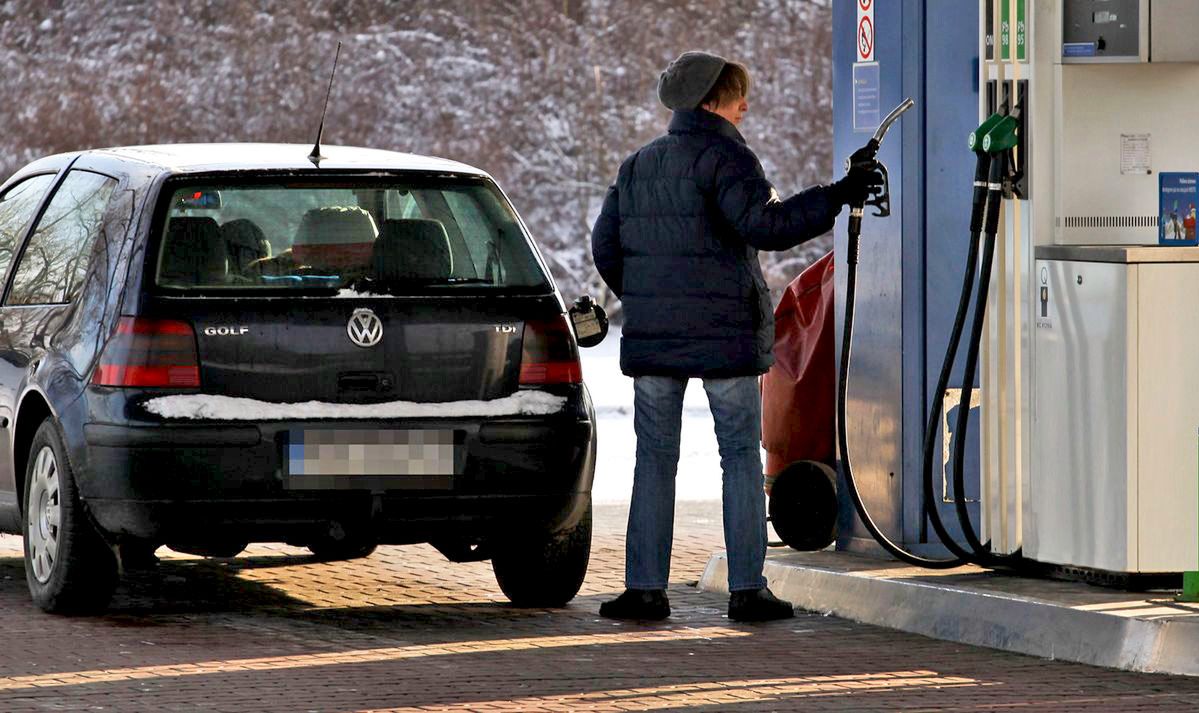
(150, 352)
(548, 354)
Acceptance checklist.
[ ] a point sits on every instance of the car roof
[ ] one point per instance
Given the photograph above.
(196, 158)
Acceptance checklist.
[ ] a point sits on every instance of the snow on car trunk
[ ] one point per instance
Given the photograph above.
(226, 408)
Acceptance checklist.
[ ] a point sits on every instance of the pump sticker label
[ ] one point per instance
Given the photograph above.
(867, 97)
(1043, 319)
(1005, 31)
(1179, 194)
(990, 32)
(1021, 33)
(1134, 155)
(1078, 49)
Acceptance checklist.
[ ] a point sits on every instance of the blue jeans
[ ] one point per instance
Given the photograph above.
(658, 408)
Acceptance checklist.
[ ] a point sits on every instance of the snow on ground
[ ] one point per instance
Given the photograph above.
(699, 461)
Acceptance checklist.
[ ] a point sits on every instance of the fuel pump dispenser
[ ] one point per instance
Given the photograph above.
(992, 142)
(1090, 403)
(1082, 337)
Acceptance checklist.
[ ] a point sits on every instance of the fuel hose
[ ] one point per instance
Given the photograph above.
(991, 167)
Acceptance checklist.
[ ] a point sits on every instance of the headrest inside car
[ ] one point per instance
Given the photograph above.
(335, 237)
(193, 252)
(413, 249)
(245, 243)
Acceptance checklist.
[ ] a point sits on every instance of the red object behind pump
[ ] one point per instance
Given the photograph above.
(799, 391)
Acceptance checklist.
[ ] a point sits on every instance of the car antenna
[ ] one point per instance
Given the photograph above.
(315, 157)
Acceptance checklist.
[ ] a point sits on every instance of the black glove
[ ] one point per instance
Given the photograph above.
(863, 180)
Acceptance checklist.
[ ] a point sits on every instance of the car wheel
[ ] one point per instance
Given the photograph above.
(544, 570)
(68, 566)
(803, 505)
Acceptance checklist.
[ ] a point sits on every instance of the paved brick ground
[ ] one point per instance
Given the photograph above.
(404, 630)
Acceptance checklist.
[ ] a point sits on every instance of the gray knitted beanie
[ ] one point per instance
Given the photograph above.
(687, 80)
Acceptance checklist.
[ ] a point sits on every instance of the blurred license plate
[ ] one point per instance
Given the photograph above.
(372, 459)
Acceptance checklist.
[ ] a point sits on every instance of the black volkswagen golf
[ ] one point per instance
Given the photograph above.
(204, 346)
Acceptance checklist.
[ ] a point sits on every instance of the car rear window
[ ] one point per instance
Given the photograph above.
(385, 236)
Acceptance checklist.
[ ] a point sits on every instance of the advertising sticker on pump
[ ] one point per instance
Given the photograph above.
(1178, 198)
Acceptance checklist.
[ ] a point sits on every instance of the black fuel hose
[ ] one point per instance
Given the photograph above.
(985, 203)
(979, 206)
(852, 249)
(982, 551)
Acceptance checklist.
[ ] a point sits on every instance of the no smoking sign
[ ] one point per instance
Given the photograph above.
(865, 31)
(865, 40)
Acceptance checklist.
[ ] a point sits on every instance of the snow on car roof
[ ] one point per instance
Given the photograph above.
(188, 158)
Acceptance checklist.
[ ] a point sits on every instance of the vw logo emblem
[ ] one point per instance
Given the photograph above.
(365, 328)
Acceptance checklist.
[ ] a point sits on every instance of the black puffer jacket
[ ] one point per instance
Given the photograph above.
(677, 240)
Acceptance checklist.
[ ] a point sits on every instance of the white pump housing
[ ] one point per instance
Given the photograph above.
(1090, 415)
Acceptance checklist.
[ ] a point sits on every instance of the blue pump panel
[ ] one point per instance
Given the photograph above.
(910, 270)
(875, 414)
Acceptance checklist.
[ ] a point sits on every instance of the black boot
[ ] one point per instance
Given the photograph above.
(758, 605)
(645, 604)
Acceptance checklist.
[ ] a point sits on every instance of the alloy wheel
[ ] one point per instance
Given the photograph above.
(44, 515)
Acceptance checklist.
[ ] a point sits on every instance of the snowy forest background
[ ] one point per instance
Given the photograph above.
(546, 95)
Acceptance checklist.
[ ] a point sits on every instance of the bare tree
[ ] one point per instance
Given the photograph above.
(547, 95)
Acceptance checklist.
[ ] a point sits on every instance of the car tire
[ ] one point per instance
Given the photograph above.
(544, 570)
(68, 566)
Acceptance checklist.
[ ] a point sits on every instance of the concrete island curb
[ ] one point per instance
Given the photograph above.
(1146, 636)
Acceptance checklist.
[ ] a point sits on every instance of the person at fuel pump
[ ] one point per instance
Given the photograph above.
(677, 241)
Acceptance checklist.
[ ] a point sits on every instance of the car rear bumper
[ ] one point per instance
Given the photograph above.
(163, 480)
(390, 519)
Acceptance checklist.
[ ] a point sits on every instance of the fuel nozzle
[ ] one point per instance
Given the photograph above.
(982, 168)
(975, 140)
(999, 142)
(866, 159)
(1002, 135)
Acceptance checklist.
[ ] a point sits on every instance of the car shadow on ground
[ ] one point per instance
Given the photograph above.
(306, 588)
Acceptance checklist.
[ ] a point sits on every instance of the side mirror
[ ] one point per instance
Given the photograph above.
(589, 320)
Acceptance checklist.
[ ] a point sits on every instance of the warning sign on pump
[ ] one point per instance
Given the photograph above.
(865, 31)
(1134, 155)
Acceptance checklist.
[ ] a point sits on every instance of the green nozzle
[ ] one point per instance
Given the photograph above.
(1001, 137)
(975, 140)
